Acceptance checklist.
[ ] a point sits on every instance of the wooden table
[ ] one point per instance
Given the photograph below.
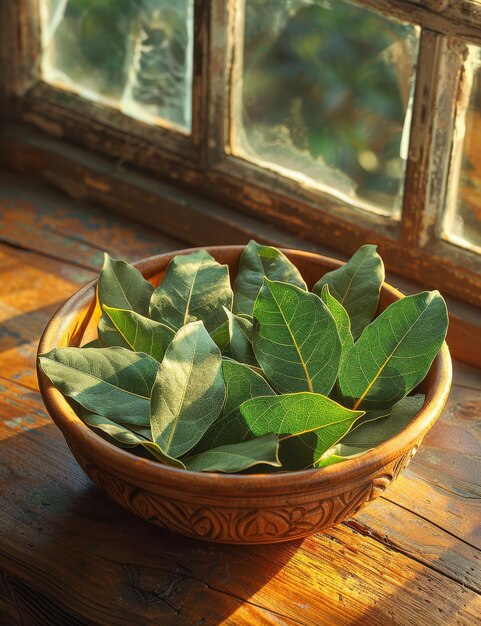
(70, 556)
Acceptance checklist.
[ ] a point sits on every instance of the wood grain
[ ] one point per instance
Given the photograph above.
(205, 223)
(235, 185)
(77, 231)
(70, 556)
(146, 573)
(31, 291)
(202, 163)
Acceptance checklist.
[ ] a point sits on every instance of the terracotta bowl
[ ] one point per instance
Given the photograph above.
(233, 508)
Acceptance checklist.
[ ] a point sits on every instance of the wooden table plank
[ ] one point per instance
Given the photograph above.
(466, 376)
(32, 288)
(55, 524)
(24, 412)
(35, 285)
(443, 482)
(416, 537)
(48, 222)
(68, 555)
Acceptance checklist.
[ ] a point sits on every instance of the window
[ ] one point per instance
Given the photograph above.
(135, 56)
(324, 93)
(342, 122)
(462, 220)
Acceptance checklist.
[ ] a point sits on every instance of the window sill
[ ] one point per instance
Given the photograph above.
(85, 176)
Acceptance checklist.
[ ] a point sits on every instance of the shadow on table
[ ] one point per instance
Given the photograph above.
(422, 602)
(72, 552)
(80, 552)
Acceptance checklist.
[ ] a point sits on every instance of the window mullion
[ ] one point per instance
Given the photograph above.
(433, 118)
(458, 156)
(20, 47)
(457, 18)
(200, 80)
(222, 50)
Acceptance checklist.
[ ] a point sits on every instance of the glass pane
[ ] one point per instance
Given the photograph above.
(325, 96)
(134, 55)
(463, 221)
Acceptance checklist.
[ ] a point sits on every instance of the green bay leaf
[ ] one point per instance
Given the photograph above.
(338, 454)
(372, 430)
(341, 317)
(189, 391)
(307, 424)
(256, 262)
(119, 432)
(140, 333)
(240, 338)
(372, 433)
(371, 416)
(241, 383)
(156, 451)
(144, 431)
(113, 382)
(121, 286)
(356, 285)
(108, 335)
(125, 438)
(295, 339)
(394, 353)
(195, 287)
(94, 343)
(237, 457)
(220, 336)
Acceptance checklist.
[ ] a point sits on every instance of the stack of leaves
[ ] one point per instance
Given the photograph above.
(205, 377)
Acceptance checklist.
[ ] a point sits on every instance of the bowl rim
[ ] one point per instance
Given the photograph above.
(108, 455)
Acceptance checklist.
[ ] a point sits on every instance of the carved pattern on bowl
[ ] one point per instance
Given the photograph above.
(238, 524)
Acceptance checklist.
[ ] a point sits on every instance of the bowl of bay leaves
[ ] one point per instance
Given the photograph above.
(244, 394)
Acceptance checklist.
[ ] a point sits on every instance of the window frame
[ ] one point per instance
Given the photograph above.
(201, 162)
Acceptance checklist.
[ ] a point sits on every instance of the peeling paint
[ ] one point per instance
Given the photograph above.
(21, 423)
(97, 184)
(52, 497)
(49, 126)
